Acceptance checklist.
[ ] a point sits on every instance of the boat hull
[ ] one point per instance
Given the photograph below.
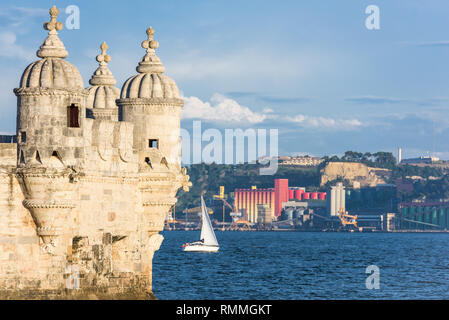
(201, 248)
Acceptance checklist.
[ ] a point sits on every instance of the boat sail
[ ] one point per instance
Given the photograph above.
(208, 242)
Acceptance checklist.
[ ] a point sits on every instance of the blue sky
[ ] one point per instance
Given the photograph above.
(310, 68)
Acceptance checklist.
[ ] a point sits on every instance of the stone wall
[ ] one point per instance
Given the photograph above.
(19, 243)
(106, 251)
(8, 154)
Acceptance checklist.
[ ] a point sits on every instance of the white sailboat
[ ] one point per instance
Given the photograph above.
(208, 242)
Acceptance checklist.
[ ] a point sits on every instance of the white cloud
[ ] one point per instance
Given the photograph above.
(224, 109)
(267, 110)
(9, 48)
(18, 20)
(324, 123)
(18, 16)
(220, 109)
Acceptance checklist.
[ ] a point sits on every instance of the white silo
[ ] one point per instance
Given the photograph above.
(337, 199)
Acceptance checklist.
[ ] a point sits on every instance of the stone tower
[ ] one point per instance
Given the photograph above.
(93, 180)
(151, 101)
(50, 117)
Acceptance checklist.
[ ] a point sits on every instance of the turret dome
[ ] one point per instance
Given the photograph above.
(52, 71)
(146, 85)
(102, 93)
(150, 82)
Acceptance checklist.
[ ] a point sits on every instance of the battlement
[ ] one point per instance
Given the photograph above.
(8, 154)
(8, 139)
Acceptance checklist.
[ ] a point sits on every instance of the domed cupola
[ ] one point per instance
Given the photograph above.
(150, 100)
(102, 92)
(150, 82)
(52, 71)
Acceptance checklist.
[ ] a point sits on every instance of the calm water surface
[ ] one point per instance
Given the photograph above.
(295, 265)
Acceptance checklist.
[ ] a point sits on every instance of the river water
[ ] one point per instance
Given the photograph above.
(303, 265)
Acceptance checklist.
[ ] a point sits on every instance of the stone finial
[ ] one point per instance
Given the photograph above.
(53, 24)
(150, 63)
(103, 58)
(52, 46)
(150, 43)
(185, 180)
(103, 76)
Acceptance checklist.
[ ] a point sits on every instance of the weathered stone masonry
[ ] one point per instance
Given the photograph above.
(85, 191)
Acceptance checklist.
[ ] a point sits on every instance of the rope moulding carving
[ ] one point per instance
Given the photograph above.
(151, 102)
(111, 180)
(50, 92)
(164, 202)
(48, 204)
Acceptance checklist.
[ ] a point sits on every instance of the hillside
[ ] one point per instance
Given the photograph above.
(206, 179)
(369, 168)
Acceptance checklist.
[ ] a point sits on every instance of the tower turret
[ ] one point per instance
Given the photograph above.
(50, 148)
(102, 92)
(151, 101)
(50, 106)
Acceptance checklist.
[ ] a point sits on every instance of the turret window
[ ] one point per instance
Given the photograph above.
(23, 136)
(73, 114)
(153, 143)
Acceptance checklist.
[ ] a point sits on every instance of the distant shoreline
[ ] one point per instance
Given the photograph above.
(321, 231)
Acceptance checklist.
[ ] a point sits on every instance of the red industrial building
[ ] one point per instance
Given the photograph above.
(246, 200)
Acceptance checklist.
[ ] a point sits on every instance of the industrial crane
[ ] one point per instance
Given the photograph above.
(347, 219)
(222, 197)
